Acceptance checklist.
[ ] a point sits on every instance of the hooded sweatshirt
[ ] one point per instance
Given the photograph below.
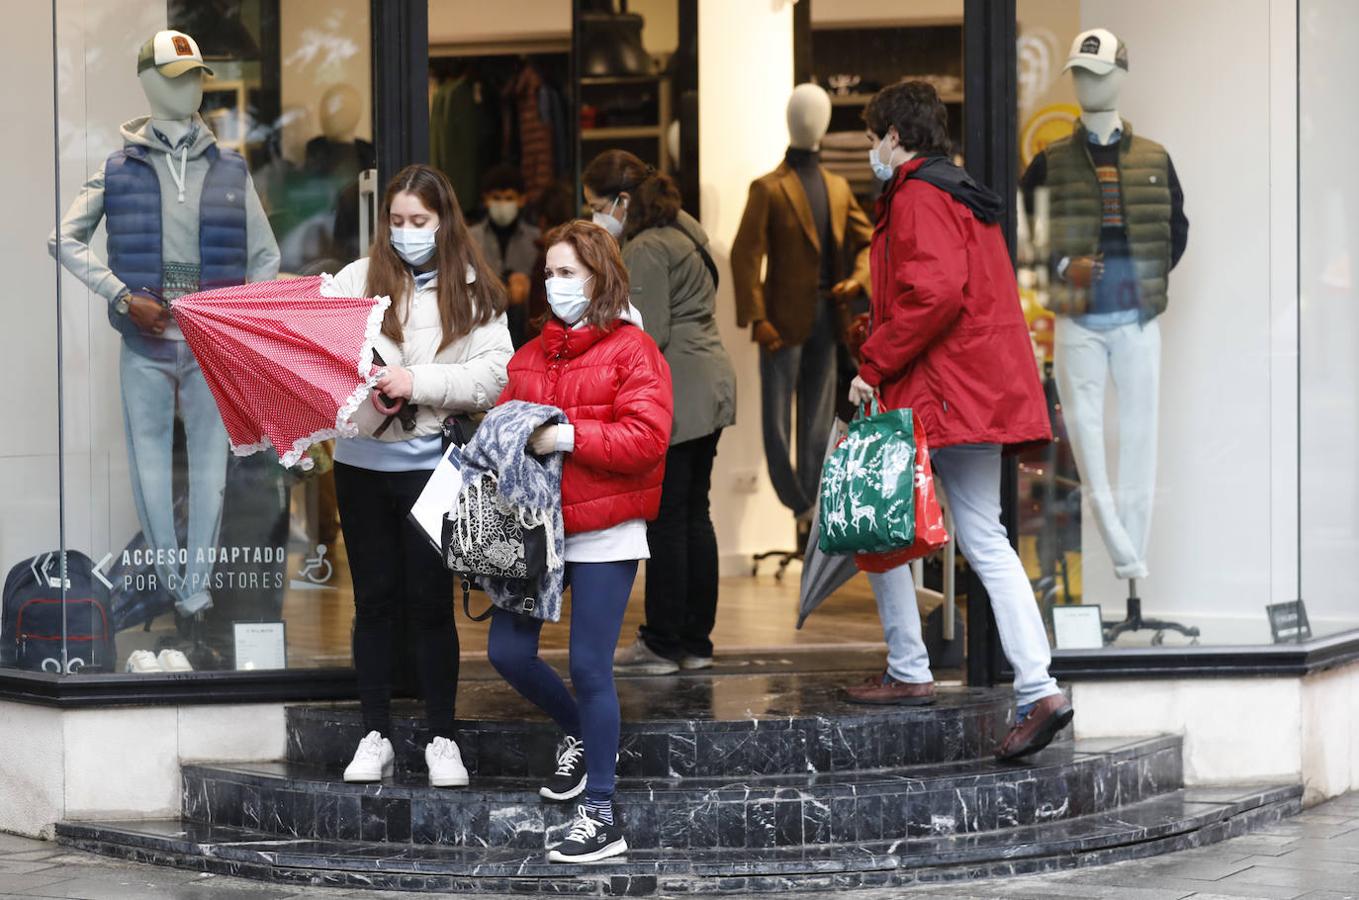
(179, 220)
(940, 171)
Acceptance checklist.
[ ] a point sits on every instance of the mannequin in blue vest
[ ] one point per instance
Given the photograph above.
(182, 215)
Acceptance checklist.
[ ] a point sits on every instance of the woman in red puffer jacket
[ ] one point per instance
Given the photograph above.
(594, 363)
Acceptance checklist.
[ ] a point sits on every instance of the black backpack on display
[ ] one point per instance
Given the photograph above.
(30, 626)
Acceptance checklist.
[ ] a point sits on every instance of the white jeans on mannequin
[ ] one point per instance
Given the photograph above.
(1085, 360)
(969, 477)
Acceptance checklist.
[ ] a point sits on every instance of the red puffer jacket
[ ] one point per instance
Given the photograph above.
(615, 390)
(949, 338)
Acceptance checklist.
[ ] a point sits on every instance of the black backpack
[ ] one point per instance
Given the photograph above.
(30, 627)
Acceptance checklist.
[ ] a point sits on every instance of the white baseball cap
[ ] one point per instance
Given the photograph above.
(1098, 50)
(172, 53)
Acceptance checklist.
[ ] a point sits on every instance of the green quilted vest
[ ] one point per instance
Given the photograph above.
(1077, 213)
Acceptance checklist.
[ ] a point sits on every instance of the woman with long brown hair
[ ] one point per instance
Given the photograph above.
(674, 285)
(445, 346)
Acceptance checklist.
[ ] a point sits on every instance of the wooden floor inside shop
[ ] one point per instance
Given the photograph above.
(754, 614)
(756, 625)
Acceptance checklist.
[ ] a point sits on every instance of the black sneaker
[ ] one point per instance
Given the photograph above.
(590, 841)
(569, 779)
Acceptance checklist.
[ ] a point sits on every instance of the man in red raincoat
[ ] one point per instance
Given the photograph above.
(948, 340)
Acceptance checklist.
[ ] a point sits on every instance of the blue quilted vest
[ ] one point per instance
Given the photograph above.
(132, 211)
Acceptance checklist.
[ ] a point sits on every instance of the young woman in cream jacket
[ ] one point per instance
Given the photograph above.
(445, 347)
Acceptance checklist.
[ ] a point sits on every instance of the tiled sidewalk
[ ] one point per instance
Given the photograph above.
(1314, 856)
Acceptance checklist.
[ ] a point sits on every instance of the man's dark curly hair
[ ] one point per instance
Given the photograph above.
(915, 110)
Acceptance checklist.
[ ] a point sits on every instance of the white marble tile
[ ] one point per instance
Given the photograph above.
(1241, 729)
(241, 733)
(122, 763)
(31, 747)
(1125, 708)
(1329, 733)
(1246, 729)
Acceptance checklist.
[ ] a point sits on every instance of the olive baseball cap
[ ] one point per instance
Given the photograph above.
(172, 53)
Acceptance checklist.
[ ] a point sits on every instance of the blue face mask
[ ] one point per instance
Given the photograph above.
(567, 298)
(414, 245)
(881, 170)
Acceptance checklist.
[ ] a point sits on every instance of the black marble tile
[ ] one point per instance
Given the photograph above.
(731, 825)
(796, 723)
(704, 827)
(816, 820)
(348, 818)
(673, 826)
(761, 824)
(871, 822)
(1049, 847)
(787, 823)
(518, 827)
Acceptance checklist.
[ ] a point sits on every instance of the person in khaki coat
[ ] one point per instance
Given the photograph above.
(673, 284)
(804, 221)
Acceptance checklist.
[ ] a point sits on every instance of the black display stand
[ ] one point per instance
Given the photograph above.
(1135, 622)
(785, 557)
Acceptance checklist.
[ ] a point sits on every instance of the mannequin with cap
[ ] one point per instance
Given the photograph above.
(182, 215)
(1117, 228)
(799, 255)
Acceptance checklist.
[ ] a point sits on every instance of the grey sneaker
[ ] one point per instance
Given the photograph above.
(690, 663)
(639, 659)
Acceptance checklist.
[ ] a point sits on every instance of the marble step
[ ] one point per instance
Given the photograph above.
(1065, 781)
(688, 726)
(1175, 821)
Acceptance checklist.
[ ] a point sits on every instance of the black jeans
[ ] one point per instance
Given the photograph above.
(681, 576)
(397, 577)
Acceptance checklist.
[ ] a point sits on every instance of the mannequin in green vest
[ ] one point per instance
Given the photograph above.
(1117, 228)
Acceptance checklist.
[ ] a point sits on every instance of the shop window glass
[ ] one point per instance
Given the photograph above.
(234, 562)
(1328, 209)
(1173, 378)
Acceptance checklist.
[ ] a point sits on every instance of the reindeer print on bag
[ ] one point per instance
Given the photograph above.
(867, 487)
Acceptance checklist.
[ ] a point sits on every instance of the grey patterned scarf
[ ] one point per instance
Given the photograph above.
(532, 484)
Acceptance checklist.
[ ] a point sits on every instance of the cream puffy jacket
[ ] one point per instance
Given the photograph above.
(466, 376)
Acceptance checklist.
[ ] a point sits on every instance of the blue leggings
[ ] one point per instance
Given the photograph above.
(599, 598)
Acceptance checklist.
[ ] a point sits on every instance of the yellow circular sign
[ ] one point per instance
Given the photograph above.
(1049, 124)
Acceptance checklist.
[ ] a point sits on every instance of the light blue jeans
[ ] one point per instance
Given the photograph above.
(969, 478)
(150, 389)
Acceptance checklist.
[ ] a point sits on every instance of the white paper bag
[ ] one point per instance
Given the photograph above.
(437, 498)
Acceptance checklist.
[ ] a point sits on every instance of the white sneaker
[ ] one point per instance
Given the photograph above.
(639, 659)
(143, 662)
(174, 661)
(374, 760)
(444, 761)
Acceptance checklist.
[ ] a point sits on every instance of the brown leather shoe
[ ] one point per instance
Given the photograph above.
(1036, 730)
(884, 690)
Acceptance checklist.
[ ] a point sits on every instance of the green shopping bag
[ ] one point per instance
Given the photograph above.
(868, 486)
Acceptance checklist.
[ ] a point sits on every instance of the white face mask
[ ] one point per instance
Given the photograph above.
(607, 221)
(414, 245)
(502, 212)
(567, 298)
(882, 169)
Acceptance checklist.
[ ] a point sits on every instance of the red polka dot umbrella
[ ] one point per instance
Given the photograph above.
(287, 364)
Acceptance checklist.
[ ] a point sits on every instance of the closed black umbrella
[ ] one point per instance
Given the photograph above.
(823, 573)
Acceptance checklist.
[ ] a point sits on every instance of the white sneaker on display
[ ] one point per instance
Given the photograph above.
(374, 760)
(174, 661)
(143, 662)
(444, 760)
